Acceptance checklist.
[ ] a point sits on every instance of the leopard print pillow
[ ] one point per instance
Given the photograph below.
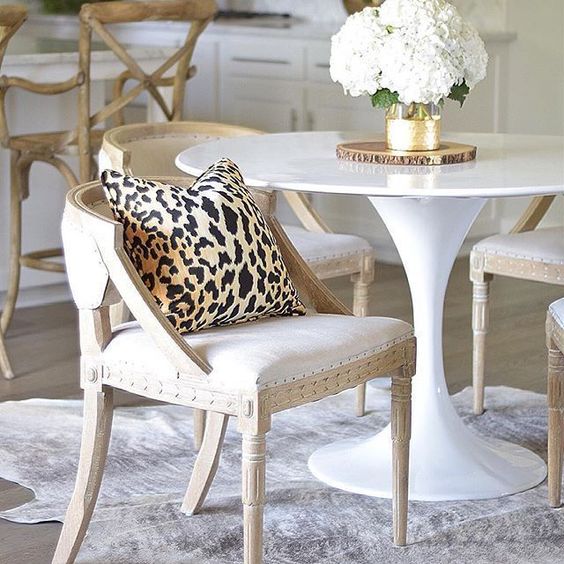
(205, 252)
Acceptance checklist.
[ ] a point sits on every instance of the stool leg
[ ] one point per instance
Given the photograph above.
(17, 180)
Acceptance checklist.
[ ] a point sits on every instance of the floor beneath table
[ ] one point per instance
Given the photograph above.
(516, 357)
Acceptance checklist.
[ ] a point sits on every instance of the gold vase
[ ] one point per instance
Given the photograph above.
(413, 127)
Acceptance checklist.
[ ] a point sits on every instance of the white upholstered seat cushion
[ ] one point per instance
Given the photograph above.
(267, 352)
(318, 247)
(557, 311)
(540, 245)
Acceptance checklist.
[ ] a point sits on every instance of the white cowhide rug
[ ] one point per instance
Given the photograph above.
(137, 519)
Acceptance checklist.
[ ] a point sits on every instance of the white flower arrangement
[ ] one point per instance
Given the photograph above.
(409, 51)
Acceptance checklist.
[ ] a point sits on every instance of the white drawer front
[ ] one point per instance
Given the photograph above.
(318, 62)
(272, 59)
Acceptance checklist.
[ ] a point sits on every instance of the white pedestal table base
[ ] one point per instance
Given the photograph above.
(448, 460)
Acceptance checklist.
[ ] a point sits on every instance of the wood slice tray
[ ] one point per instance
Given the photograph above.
(376, 152)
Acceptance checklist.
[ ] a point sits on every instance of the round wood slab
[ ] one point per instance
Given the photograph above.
(376, 152)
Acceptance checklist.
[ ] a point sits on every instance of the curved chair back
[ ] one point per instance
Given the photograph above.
(149, 149)
(533, 214)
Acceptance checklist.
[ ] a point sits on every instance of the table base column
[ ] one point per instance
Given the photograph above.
(448, 460)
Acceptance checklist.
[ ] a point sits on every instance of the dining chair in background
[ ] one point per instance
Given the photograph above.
(151, 359)
(527, 253)
(151, 149)
(85, 140)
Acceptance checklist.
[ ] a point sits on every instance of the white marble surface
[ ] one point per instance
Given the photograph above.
(507, 165)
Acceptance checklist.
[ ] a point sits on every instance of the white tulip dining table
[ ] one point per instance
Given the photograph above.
(428, 211)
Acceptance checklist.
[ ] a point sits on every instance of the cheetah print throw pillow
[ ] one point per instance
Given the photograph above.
(205, 252)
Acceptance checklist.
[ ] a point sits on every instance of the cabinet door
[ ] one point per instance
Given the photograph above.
(328, 109)
(273, 106)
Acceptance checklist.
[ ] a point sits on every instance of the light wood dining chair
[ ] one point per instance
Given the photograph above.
(11, 19)
(527, 253)
(555, 345)
(150, 359)
(150, 149)
(85, 140)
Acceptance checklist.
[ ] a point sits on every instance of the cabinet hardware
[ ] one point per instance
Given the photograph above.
(293, 119)
(265, 61)
(322, 65)
(310, 121)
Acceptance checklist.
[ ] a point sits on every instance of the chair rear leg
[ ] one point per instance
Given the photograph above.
(253, 495)
(98, 412)
(401, 435)
(555, 425)
(206, 464)
(199, 427)
(480, 325)
(361, 286)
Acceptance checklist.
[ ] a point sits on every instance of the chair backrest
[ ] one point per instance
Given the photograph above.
(94, 19)
(11, 19)
(533, 215)
(149, 149)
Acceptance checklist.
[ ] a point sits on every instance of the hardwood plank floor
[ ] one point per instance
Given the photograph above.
(43, 345)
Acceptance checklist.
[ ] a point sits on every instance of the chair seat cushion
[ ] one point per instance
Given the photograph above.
(206, 253)
(540, 245)
(266, 352)
(319, 247)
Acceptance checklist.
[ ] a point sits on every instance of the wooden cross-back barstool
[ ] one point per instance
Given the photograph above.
(11, 19)
(527, 253)
(150, 359)
(85, 140)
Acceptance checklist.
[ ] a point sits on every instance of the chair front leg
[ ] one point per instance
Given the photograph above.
(555, 424)
(401, 435)
(206, 463)
(480, 325)
(97, 424)
(199, 427)
(254, 478)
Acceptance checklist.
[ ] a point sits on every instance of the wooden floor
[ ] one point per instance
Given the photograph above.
(43, 345)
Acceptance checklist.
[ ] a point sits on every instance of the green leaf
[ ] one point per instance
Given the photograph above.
(459, 92)
(384, 98)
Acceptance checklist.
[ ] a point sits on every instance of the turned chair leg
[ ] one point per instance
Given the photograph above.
(18, 179)
(253, 495)
(401, 434)
(199, 427)
(361, 286)
(480, 324)
(5, 366)
(206, 463)
(98, 411)
(555, 425)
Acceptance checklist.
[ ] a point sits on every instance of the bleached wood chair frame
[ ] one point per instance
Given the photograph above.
(555, 345)
(116, 146)
(100, 275)
(483, 267)
(85, 139)
(11, 19)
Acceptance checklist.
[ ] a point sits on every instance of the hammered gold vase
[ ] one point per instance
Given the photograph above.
(413, 127)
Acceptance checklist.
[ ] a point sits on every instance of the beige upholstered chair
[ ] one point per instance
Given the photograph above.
(150, 149)
(150, 359)
(53, 148)
(527, 253)
(555, 344)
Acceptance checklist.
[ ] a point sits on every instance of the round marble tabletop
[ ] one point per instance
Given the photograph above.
(507, 165)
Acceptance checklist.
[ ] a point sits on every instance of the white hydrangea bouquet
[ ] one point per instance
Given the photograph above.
(409, 56)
